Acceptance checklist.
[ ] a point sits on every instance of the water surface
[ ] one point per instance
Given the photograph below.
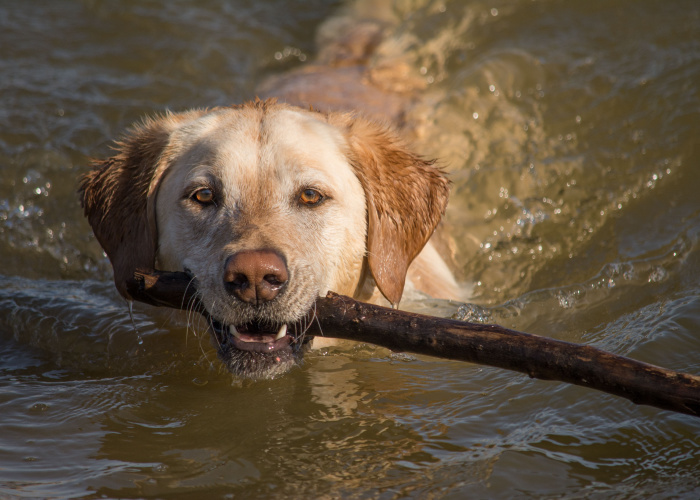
(570, 131)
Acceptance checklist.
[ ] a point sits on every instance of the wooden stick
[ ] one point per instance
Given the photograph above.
(538, 357)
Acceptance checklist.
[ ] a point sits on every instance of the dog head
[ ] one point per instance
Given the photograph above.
(268, 207)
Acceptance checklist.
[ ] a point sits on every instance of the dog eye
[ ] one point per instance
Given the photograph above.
(205, 196)
(310, 197)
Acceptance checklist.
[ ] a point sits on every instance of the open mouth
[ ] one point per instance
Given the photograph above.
(254, 337)
(258, 350)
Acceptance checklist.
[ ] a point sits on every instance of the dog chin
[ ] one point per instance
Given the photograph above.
(260, 351)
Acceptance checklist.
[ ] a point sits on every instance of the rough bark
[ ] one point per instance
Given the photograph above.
(493, 345)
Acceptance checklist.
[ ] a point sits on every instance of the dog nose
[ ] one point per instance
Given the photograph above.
(255, 276)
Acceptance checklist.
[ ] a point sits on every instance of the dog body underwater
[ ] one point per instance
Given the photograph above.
(269, 206)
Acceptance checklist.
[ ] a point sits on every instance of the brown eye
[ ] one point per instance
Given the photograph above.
(205, 196)
(310, 197)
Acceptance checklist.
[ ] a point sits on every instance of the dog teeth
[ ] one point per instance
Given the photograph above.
(232, 330)
(282, 332)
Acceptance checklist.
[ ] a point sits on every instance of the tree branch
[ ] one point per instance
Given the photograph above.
(538, 357)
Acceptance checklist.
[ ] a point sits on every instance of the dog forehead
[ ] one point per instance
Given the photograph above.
(219, 137)
(283, 144)
(301, 131)
(300, 144)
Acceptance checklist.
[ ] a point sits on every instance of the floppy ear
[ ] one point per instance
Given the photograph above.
(118, 196)
(406, 197)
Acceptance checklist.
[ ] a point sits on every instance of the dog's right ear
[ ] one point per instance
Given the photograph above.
(118, 196)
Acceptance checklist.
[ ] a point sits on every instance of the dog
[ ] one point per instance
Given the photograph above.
(269, 206)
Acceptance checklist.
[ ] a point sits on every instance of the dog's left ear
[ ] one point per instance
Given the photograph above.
(118, 196)
(406, 197)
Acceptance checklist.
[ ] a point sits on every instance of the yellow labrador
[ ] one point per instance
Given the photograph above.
(269, 206)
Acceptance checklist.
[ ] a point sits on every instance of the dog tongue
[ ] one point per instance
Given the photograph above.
(262, 346)
(260, 342)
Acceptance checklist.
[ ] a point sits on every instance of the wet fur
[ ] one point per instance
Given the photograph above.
(383, 204)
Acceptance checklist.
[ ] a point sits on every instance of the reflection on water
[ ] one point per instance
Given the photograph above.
(569, 131)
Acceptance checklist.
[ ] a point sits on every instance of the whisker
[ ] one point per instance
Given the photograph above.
(191, 311)
(210, 326)
(318, 322)
(190, 307)
(207, 330)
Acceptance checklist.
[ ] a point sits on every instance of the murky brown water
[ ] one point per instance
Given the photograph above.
(570, 129)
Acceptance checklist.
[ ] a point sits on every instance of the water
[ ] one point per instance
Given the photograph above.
(570, 131)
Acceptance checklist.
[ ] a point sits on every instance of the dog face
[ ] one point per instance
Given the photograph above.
(268, 207)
